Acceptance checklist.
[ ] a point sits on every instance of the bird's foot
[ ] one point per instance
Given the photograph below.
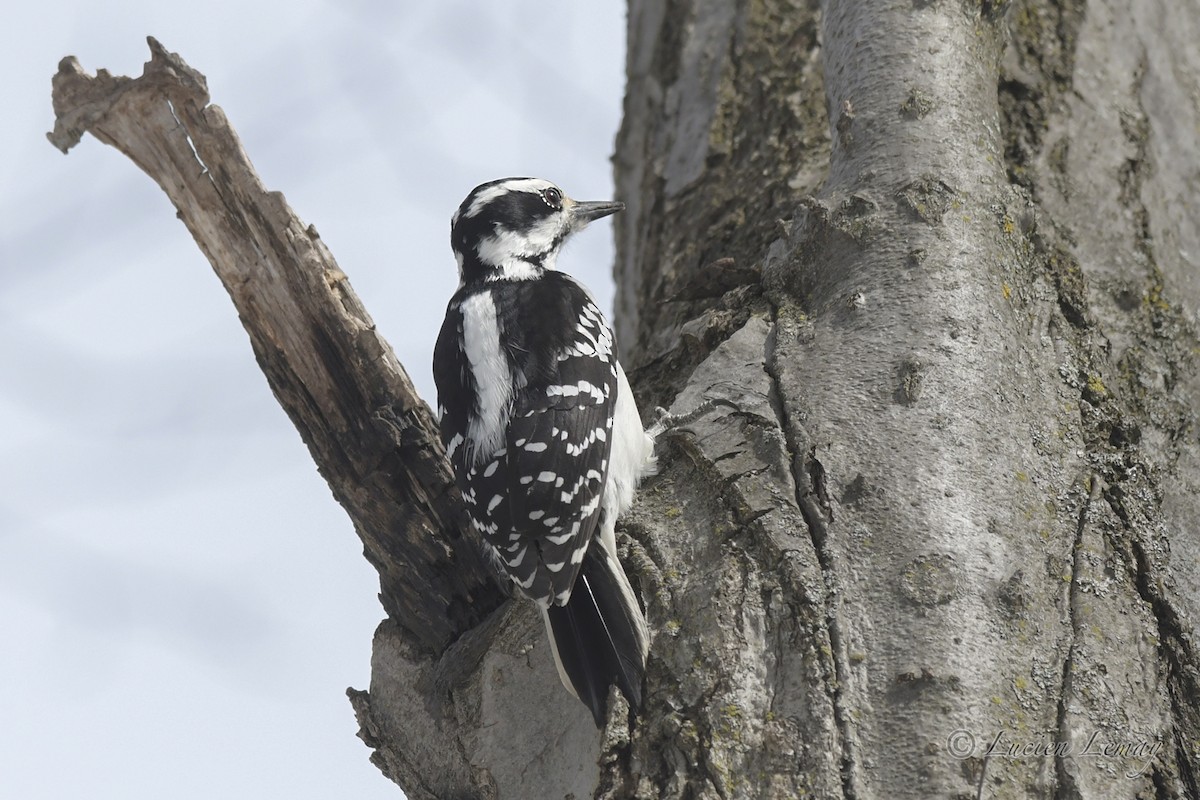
(668, 422)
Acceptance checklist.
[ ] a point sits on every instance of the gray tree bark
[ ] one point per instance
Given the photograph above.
(937, 263)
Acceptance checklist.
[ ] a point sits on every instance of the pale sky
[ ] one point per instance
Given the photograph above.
(182, 602)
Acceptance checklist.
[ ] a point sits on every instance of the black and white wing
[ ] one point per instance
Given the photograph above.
(455, 388)
(535, 491)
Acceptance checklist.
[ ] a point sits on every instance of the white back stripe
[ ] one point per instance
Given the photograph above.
(490, 373)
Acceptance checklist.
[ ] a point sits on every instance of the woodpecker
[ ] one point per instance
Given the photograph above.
(542, 430)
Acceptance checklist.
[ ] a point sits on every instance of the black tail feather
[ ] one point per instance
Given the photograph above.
(599, 639)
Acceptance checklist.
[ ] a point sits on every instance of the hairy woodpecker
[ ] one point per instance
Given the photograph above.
(542, 429)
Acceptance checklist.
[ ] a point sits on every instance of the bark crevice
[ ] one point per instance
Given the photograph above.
(806, 472)
(1124, 324)
(1066, 788)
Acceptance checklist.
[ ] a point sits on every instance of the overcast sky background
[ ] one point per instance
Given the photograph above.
(182, 602)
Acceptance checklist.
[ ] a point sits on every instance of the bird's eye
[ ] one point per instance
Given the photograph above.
(553, 197)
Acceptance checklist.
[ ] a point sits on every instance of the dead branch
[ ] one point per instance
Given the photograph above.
(371, 436)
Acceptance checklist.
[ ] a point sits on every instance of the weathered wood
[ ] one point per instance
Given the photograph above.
(372, 437)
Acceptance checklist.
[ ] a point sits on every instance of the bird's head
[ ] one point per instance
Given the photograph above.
(513, 228)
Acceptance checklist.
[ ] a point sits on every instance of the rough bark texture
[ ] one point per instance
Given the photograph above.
(975, 337)
(937, 264)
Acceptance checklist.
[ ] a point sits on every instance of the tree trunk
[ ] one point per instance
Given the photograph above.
(977, 344)
(936, 264)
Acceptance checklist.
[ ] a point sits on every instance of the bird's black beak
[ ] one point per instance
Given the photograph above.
(584, 212)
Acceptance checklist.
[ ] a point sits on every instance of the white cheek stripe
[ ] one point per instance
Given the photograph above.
(508, 250)
(490, 373)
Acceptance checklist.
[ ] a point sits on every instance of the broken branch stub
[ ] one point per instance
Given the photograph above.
(371, 436)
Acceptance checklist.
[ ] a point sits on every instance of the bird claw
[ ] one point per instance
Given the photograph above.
(668, 422)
